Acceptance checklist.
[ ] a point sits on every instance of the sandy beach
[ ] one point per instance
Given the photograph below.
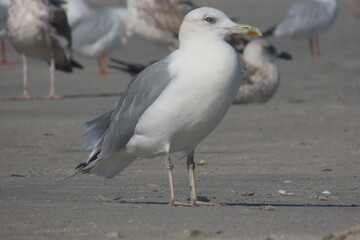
(305, 141)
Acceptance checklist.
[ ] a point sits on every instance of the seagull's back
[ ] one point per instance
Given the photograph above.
(307, 19)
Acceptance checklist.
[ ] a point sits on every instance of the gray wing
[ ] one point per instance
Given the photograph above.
(308, 18)
(113, 130)
(97, 25)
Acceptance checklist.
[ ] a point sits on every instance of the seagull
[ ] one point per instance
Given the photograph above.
(307, 20)
(260, 76)
(76, 11)
(173, 104)
(39, 29)
(4, 5)
(101, 33)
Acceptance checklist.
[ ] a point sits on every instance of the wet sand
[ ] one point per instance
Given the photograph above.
(304, 141)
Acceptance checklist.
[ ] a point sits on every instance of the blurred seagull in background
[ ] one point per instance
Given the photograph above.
(158, 21)
(4, 5)
(101, 33)
(39, 29)
(260, 76)
(173, 104)
(307, 20)
(76, 11)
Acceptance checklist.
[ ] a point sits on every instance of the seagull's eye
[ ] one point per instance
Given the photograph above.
(210, 19)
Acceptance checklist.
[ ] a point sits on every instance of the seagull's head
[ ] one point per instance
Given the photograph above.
(209, 23)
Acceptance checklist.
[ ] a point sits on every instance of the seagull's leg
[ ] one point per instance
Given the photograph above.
(25, 95)
(102, 65)
(52, 94)
(173, 201)
(170, 167)
(191, 167)
(4, 60)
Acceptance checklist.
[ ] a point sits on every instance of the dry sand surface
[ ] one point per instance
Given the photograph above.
(304, 141)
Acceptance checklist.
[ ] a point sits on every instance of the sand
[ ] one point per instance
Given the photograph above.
(304, 141)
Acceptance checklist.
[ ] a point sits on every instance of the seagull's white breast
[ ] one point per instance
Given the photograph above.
(206, 80)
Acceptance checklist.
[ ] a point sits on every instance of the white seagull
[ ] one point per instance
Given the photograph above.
(173, 104)
(101, 33)
(307, 20)
(260, 76)
(39, 29)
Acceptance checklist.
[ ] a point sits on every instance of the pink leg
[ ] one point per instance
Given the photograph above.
(25, 95)
(4, 61)
(102, 65)
(52, 94)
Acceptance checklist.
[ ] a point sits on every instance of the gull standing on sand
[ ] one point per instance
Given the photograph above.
(307, 20)
(173, 104)
(260, 76)
(100, 34)
(39, 29)
(4, 5)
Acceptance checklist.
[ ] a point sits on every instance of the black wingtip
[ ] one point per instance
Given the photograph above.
(285, 55)
(269, 32)
(128, 67)
(76, 64)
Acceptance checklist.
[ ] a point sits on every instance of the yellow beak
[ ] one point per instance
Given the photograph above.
(245, 30)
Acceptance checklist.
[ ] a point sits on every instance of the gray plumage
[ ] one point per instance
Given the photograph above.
(110, 132)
